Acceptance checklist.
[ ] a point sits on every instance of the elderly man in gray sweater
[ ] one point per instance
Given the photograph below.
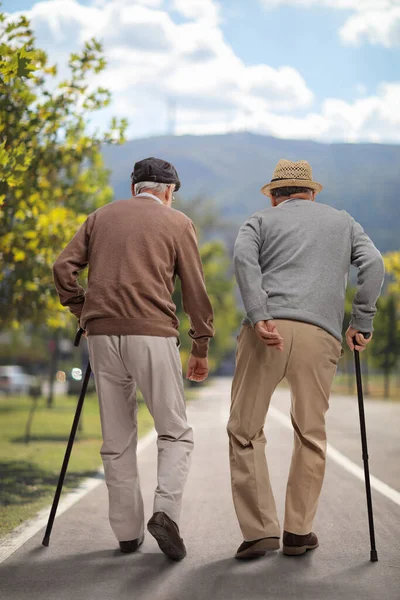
(292, 263)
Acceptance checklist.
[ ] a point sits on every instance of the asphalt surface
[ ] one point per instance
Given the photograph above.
(83, 560)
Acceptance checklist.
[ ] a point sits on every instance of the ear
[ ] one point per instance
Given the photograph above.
(133, 189)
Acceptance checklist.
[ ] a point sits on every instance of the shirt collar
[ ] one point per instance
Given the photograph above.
(147, 195)
(288, 200)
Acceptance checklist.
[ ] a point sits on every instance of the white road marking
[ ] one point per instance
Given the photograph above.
(343, 461)
(10, 543)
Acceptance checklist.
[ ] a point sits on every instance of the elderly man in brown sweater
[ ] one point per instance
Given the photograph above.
(135, 249)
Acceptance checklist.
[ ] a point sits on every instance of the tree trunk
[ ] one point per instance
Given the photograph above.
(366, 374)
(29, 422)
(350, 376)
(84, 364)
(55, 351)
(386, 392)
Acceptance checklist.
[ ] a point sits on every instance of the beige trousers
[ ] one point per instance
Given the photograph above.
(120, 363)
(309, 364)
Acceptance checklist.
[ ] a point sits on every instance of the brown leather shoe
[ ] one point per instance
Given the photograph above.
(257, 548)
(293, 544)
(166, 533)
(131, 545)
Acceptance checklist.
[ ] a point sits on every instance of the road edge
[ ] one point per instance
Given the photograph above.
(21, 534)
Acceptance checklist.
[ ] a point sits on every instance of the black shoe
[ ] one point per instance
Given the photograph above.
(294, 544)
(131, 545)
(257, 548)
(166, 533)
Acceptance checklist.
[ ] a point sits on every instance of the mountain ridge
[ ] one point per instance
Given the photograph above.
(231, 168)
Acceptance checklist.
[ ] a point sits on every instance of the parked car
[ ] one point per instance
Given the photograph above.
(15, 380)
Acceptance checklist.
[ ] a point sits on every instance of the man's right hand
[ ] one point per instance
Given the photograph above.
(361, 341)
(197, 368)
(268, 333)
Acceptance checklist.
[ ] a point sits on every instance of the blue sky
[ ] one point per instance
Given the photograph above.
(318, 69)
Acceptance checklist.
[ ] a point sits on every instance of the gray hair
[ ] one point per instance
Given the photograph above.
(151, 185)
(287, 191)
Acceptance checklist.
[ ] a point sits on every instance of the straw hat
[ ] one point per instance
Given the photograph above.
(288, 173)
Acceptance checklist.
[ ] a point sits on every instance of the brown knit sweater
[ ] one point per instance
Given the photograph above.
(134, 249)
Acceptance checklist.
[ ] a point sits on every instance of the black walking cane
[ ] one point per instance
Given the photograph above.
(46, 539)
(374, 554)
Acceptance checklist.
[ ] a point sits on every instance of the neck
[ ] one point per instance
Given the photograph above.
(152, 193)
(299, 196)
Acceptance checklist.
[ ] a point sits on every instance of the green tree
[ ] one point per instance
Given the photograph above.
(52, 172)
(386, 338)
(392, 265)
(348, 359)
(219, 279)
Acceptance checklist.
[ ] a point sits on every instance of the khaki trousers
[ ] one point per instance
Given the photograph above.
(309, 364)
(120, 363)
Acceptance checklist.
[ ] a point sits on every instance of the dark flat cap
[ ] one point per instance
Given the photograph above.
(156, 170)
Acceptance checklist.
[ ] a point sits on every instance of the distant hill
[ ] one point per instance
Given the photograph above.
(363, 179)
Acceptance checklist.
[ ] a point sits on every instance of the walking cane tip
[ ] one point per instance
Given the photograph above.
(374, 556)
(46, 541)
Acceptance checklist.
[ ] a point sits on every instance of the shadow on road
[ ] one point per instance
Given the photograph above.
(41, 438)
(23, 481)
(98, 574)
(277, 577)
(110, 574)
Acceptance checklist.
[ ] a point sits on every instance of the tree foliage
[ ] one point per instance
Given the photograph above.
(392, 265)
(52, 173)
(386, 342)
(219, 279)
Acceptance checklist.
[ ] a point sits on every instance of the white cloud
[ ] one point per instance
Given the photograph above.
(152, 57)
(204, 10)
(369, 119)
(375, 21)
(153, 61)
(375, 26)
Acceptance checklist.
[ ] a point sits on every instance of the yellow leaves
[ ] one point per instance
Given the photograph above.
(6, 241)
(392, 265)
(43, 221)
(44, 183)
(32, 245)
(57, 317)
(51, 168)
(19, 255)
(59, 214)
(53, 322)
(53, 217)
(51, 70)
(13, 180)
(392, 262)
(20, 214)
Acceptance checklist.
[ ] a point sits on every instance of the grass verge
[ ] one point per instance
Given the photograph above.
(373, 386)
(29, 471)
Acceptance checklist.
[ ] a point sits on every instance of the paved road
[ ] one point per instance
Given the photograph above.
(84, 563)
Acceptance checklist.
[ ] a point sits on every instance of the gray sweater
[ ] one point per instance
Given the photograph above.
(292, 262)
